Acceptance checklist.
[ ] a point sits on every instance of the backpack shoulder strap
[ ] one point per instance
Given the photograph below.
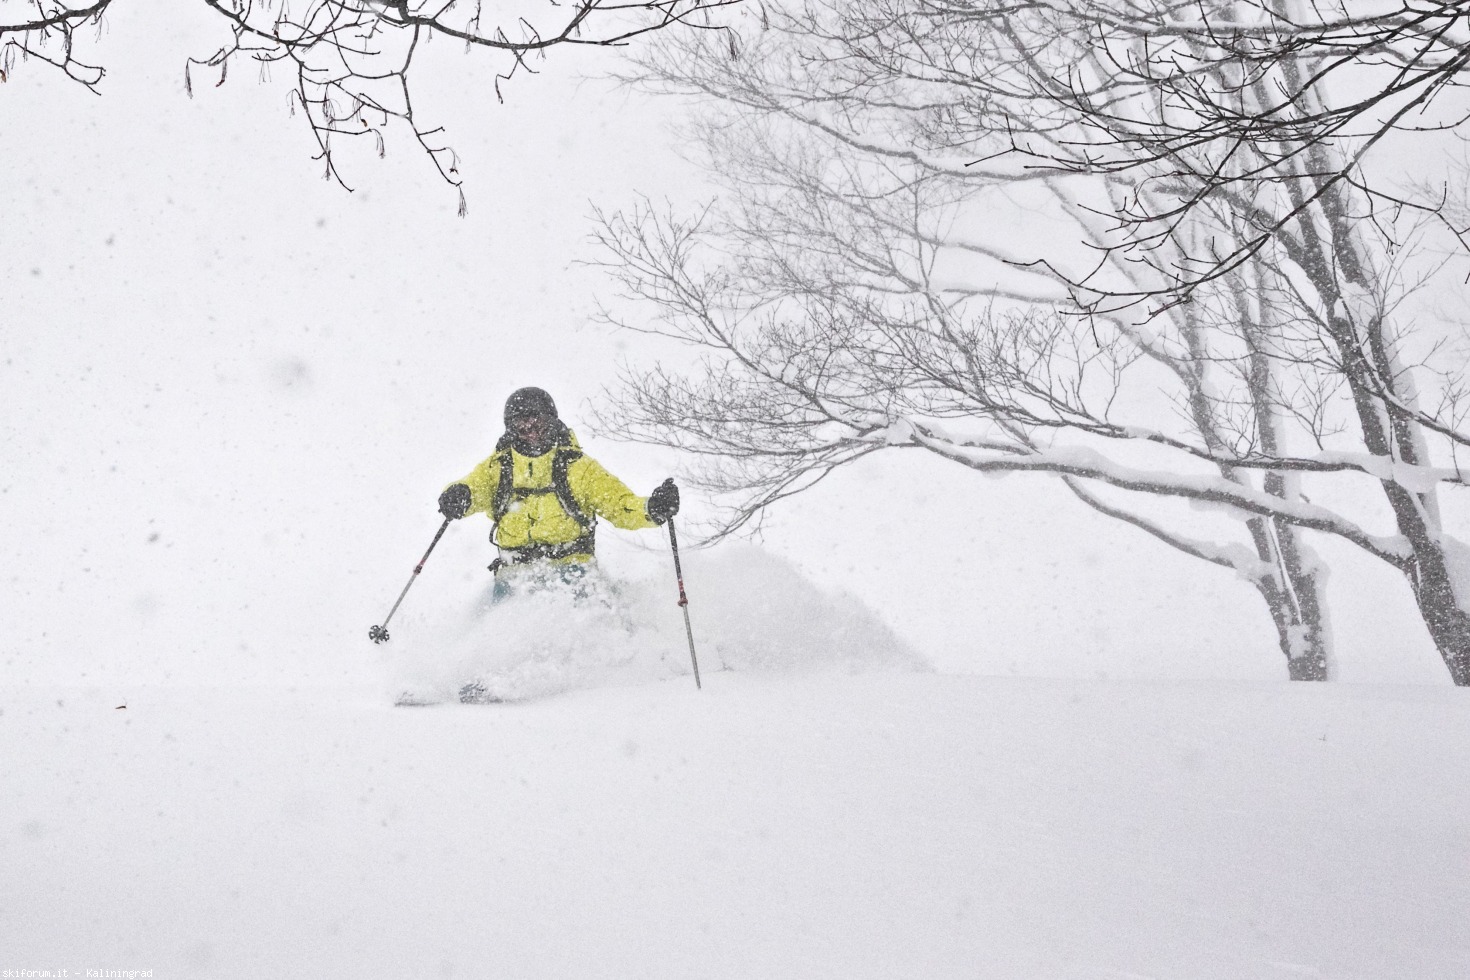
(562, 486)
(505, 486)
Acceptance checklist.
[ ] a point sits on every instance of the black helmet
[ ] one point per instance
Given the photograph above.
(524, 402)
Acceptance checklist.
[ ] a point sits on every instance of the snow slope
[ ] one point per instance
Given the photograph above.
(811, 825)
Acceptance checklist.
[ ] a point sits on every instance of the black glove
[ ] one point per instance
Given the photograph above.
(663, 503)
(454, 501)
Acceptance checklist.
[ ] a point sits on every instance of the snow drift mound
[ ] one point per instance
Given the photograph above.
(750, 611)
(758, 612)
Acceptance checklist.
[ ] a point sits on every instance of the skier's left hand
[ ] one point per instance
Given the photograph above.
(663, 503)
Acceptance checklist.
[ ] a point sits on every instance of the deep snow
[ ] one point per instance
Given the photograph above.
(754, 612)
(818, 825)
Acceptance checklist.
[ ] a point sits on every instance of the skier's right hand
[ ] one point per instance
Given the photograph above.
(454, 501)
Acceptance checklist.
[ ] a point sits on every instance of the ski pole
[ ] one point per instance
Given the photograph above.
(379, 634)
(684, 602)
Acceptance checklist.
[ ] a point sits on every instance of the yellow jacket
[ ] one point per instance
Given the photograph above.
(531, 513)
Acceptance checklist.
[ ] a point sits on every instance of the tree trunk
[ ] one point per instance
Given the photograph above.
(1370, 362)
(1308, 659)
(1293, 597)
(1448, 622)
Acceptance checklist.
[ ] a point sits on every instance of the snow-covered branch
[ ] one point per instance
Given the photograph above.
(1081, 461)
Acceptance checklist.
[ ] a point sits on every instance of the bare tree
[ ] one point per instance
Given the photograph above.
(352, 60)
(1251, 264)
(816, 363)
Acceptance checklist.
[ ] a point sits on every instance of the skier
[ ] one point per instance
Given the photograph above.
(544, 496)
